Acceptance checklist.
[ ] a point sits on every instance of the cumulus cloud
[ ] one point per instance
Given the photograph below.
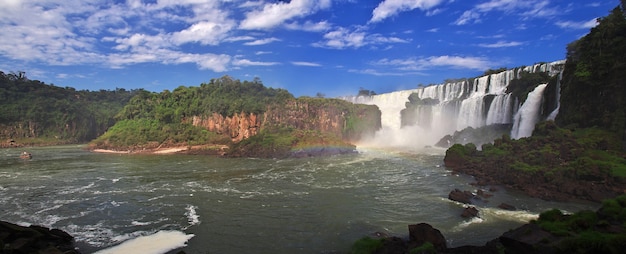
(205, 32)
(275, 14)
(389, 8)
(75, 32)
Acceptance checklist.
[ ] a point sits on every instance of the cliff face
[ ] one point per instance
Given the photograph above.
(339, 118)
(237, 127)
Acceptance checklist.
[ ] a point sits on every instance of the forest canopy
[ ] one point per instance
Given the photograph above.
(61, 114)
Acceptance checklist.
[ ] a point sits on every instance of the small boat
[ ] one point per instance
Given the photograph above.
(26, 155)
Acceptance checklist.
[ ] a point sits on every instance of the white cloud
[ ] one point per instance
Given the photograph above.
(306, 64)
(381, 73)
(414, 64)
(309, 26)
(246, 62)
(275, 14)
(205, 32)
(578, 25)
(261, 41)
(468, 17)
(240, 38)
(526, 9)
(389, 8)
(342, 38)
(501, 44)
(105, 33)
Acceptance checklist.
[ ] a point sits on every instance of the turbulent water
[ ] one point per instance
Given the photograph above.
(314, 205)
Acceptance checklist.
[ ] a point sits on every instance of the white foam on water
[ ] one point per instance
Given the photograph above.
(97, 235)
(192, 217)
(160, 242)
(467, 223)
(139, 223)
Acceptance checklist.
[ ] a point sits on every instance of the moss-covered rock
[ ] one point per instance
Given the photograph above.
(554, 164)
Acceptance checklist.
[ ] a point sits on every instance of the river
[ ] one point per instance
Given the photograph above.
(309, 205)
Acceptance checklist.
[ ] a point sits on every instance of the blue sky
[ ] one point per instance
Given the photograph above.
(307, 47)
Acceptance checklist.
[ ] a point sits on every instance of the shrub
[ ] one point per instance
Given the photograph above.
(366, 245)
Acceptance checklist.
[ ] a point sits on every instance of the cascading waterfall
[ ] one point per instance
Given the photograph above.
(467, 103)
(528, 114)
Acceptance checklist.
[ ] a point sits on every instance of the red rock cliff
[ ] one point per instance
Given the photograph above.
(346, 120)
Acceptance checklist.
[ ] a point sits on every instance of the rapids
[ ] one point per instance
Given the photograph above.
(215, 205)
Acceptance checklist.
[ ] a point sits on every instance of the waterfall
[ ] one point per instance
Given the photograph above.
(555, 112)
(500, 110)
(528, 114)
(475, 103)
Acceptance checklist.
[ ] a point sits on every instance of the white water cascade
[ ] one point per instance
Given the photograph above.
(466, 103)
(528, 114)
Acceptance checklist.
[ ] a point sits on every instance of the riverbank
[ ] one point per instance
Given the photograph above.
(554, 164)
(602, 231)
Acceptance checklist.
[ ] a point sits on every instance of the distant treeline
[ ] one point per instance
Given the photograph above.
(225, 95)
(33, 109)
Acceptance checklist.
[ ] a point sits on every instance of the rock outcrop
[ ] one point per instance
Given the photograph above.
(464, 197)
(337, 117)
(602, 231)
(17, 239)
(422, 233)
(237, 127)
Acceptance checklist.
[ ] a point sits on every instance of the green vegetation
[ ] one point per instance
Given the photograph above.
(527, 82)
(279, 121)
(365, 92)
(366, 245)
(225, 96)
(593, 88)
(492, 71)
(426, 248)
(150, 133)
(587, 231)
(37, 113)
(584, 153)
(409, 115)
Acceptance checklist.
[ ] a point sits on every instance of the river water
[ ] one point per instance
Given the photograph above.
(310, 205)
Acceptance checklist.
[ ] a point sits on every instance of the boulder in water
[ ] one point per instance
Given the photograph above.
(464, 197)
(470, 212)
(506, 206)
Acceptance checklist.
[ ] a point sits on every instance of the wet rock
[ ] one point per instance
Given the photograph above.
(483, 194)
(393, 245)
(35, 239)
(506, 206)
(470, 212)
(529, 238)
(464, 197)
(422, 233)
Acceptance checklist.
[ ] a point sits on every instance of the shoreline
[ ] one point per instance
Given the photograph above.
(198, 149)
(167, 150)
